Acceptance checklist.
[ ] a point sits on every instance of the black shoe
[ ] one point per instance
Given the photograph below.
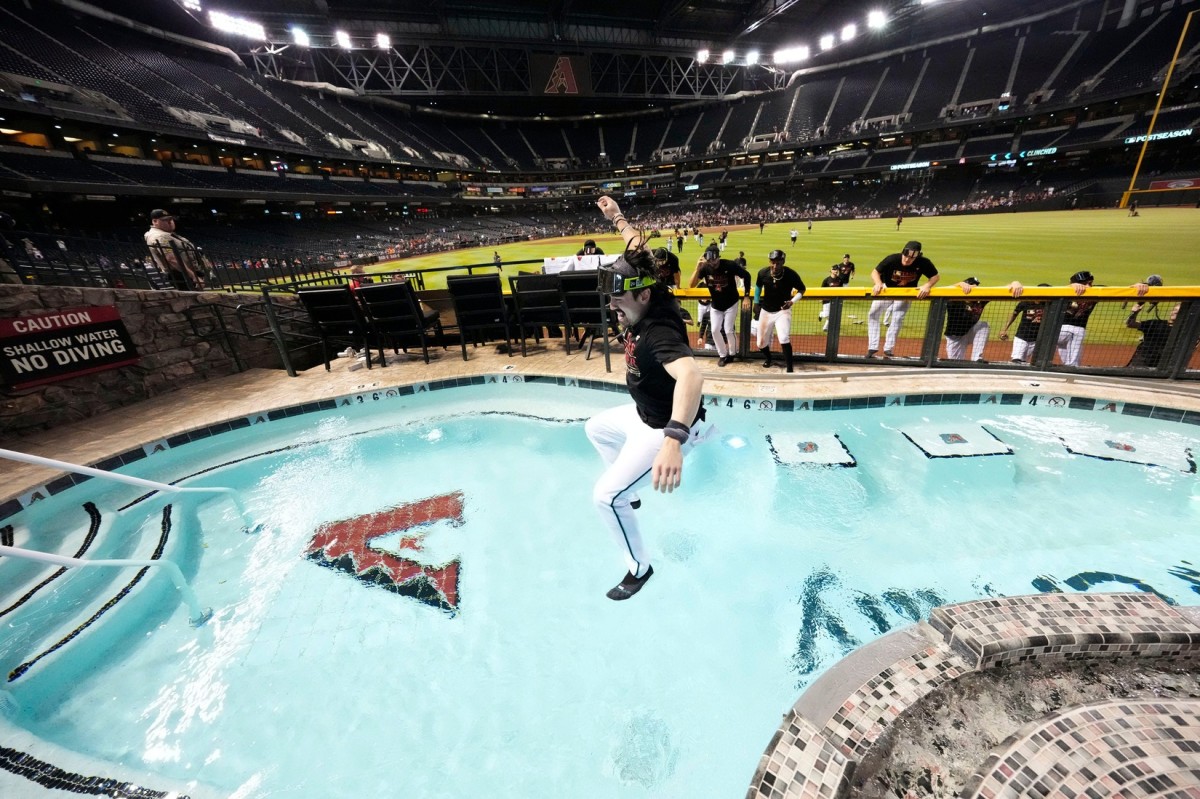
(889, 354)
(871, 353)
(722, 360)
(629, 586)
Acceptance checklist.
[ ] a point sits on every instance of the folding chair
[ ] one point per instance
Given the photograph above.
(480, 308)
(336, 314)
(584, 304)
(539, 304)
(394, 312)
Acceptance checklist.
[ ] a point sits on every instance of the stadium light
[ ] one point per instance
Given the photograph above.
(726, 56)
(826, 41)
(300, 37)
(383, 41)
(701, 56)
(343, 39)
(230, 24)
(876, 20)
(751, 58)
(790, 55)
(849, 32)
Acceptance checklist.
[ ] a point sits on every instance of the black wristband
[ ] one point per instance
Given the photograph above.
(678, 431)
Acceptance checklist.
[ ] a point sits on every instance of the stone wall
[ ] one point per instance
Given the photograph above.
(172, 354)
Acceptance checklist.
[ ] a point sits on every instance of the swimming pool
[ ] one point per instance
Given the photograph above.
(481, 657)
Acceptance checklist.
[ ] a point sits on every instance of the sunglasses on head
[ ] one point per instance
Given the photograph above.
(611, 282)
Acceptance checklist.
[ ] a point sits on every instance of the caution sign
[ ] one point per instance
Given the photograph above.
(46, 347)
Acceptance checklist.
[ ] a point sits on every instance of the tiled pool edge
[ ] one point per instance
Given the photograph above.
(17, 501)
(839, 717)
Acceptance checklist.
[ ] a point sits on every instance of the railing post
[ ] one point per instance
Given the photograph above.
(277, 331)
(933, 331)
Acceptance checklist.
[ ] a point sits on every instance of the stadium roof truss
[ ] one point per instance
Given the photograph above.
(422, 70)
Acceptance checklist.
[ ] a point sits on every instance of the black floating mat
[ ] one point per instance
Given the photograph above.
(955, 440)
(809, 449)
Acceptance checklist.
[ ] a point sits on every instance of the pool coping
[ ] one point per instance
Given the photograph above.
(847, 389)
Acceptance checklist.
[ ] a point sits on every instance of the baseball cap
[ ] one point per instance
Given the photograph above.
(777, 255)
(159, 213)
(913, 246)
(1082, 276)
(1043, 285)
(847, 255)
(971, 281)
(590, 243)
(1154, 280)
(712, 254)
(659, 253)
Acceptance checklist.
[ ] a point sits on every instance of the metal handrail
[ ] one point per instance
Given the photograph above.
(200, 614)
(38, 460)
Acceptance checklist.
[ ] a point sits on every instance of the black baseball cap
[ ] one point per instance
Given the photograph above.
(159, 213)
(971, 281)
(1082, 276)
(712, 254)
(913, 246)
(1154, 280)
(847, 255)
(777, 255)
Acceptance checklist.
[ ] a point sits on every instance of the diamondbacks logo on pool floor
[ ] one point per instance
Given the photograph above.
(347, 546)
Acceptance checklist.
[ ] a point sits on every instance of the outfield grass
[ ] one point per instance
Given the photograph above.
(1035, 247)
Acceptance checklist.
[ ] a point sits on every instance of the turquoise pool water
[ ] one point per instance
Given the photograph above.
(481, 658)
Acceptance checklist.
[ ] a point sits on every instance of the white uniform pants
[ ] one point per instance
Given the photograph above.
(1070, 344)
(1022, 350)
(628, 446)
(778, 324)
(898, 309)
(723, 321)
(977, 334)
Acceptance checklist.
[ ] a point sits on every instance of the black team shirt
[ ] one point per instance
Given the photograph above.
(719, 277)
(776, 290)
(657, 339)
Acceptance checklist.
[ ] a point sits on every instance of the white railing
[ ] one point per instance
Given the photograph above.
(199, 615)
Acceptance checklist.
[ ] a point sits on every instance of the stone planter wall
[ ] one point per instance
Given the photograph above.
(172, 354)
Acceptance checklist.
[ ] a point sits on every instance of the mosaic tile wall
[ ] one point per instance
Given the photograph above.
(1152, 745)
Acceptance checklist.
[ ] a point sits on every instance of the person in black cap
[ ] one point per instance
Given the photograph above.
(846, 269)
(174, 255)
(775, 290)
(1075, 319)
(719, 276)
(1155, 330)
(833, 281)
(899, 270)
(589, 248)
(1031, 313)
(965, 325)
(667, 264)
(644, 441)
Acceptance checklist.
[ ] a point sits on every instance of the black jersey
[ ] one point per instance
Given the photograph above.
(669, 272)
(1031, 320)
(657, 339)
(776, 290)
(719, 277)
(961, 316)
(895, 274)
(1078, 311)
(832, 282)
